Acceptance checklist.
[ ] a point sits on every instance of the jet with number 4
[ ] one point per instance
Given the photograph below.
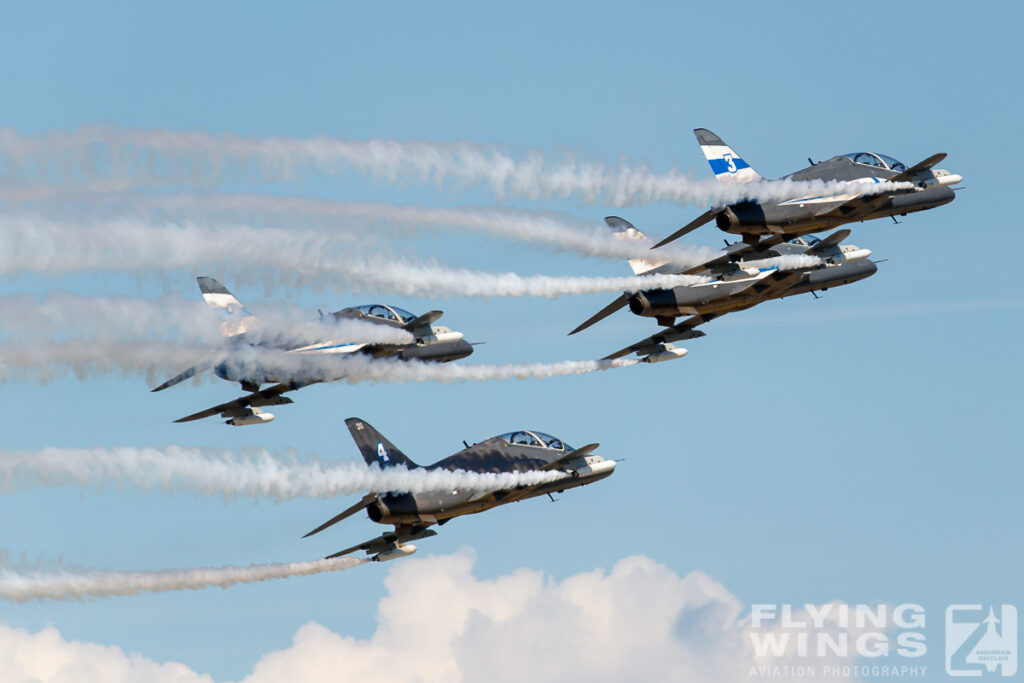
(412, 515)
(242, 331)
(890, 189)
(741, 277)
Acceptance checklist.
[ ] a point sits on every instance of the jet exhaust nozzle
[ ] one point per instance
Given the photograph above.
(377, 511)
(638, 304)
(727, 220)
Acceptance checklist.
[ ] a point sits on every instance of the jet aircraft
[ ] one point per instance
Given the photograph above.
(412, 515)
(802, 215)
(241, 330)
(741, 279)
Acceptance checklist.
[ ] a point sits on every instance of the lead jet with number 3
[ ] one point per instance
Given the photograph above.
(890, 189)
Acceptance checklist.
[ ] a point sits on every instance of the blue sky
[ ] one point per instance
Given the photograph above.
(861, 447)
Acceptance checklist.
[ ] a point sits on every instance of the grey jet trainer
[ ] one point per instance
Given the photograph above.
(413, 514)
(740, 278)
(241, 331)
(800, 215)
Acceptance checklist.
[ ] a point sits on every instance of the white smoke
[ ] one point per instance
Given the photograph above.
(556, 230)
(635, 620)
(43, 360)
(786, 262)
(275, 256)
(107, 157)
(173, 318)
(79, 585)
(253, 473)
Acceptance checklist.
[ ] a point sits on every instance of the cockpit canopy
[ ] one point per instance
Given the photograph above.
(805, 241)
(879, 160)
(386, 312)
(537, 439)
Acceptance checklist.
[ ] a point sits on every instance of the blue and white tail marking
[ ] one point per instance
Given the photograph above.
(728, 166)
(624, 231)
(237, 318)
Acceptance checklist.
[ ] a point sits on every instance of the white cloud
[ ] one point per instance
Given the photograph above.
(45, 657)
(439, 622)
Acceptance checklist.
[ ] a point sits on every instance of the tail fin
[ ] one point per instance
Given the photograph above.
(375, 447)
(728, 166)
(237, 318)
(624, 231)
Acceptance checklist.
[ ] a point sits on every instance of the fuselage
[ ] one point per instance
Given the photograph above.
(496, 455)
(434, 343)
(748, 286)
(803, 215)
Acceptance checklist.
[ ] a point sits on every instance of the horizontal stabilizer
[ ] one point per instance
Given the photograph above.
(180, 377)
(361, 505)
(614, 306)
(700, 220)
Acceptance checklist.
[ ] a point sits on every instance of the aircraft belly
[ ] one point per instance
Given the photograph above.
(440, 352)
(432, 509)
(692, 300)
(920, 201)
(834, 276)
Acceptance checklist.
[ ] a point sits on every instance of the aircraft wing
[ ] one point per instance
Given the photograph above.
(425, 320)
(927, 164)
(700, 220)
(830, 242)
(735, 253)
(857, 207)
(684, 330)
(267, 397)
(569, 457)
(401, 534)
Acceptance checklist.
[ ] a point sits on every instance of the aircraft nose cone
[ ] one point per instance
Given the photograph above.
(463, 347)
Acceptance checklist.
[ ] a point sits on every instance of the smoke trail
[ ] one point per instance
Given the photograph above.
(79, 585)
(253, 473)
(558, 231)
(42, 360)
(277, 257)
(786, 262)
(120, 157)
(173, 319)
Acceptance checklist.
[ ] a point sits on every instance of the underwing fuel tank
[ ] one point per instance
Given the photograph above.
(250, 416)
(395, 552)
(668, 353)
(594, 468)
(438, 337)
